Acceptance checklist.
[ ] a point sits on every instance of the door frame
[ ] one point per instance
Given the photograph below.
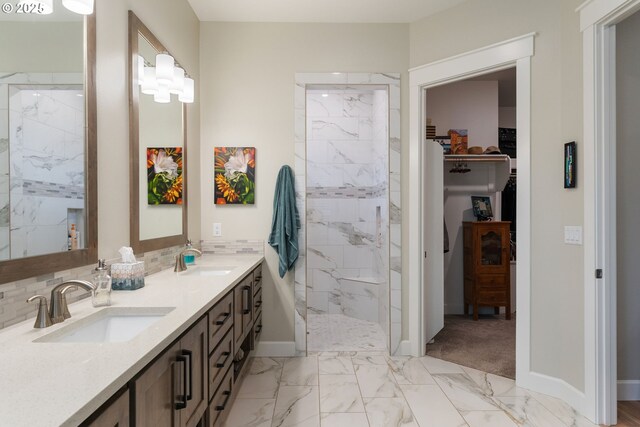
(516, 53)
(597, 24)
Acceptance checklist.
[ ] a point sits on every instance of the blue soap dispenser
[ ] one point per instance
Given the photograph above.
(189, 258)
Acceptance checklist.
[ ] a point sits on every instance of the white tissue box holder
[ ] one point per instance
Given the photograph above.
(127, 276)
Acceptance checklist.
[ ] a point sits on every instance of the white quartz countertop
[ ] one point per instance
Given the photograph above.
(61, 384)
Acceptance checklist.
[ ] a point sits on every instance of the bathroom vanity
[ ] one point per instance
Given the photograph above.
(180, 369)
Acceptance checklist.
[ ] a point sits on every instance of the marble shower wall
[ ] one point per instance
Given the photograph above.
(342, 175)
(347, 183)
(42, 151)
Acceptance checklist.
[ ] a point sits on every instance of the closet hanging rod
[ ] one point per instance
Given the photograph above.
(473, 158)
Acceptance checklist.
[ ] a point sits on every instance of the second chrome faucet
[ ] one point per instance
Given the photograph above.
(58, 309)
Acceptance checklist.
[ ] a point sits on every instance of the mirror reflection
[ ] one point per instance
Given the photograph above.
(160, 142)
(42, 134)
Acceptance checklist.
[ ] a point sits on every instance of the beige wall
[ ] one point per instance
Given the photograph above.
(176, 26)
(557, 308)
(248, 100)
(628, 192)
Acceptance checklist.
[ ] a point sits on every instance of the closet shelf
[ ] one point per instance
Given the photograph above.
(486, 173)
(476, 158)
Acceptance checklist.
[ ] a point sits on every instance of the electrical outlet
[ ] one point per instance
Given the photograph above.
(217, 229)
(573, 235)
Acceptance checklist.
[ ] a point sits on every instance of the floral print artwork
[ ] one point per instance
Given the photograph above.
(164, 176)
(234, 175)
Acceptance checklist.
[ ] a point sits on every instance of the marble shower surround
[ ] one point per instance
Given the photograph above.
(392, 80)
(41, 171)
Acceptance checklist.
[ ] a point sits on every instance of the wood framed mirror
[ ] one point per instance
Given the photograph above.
(158, 142)
(48, 144)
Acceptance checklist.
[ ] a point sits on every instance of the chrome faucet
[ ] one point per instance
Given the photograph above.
(58, 309)
(180, 264)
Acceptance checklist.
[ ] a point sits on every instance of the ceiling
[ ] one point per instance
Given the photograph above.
(337, 11)
(506, 85)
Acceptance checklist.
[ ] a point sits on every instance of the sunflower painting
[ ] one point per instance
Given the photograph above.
(164, 176)
(234, 175)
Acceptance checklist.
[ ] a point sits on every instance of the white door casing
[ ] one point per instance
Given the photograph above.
(597, 23)
(514, 52)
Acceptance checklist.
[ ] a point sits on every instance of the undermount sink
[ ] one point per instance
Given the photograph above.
(113, 324)
(209, 270)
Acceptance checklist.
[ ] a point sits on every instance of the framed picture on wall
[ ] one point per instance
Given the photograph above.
(234, 175)
(482, 208)
(570, 165)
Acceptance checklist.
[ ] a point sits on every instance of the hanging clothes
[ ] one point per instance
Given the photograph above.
(446, 236)
(285, 222)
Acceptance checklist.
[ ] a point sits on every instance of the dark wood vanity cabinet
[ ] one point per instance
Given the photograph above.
(487, 266)
(173, 390)
(193, 382)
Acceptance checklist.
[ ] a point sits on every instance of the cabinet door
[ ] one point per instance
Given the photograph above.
(242, 318)
(158, 391)
(492, 242)
(115, 415)
(195, 347)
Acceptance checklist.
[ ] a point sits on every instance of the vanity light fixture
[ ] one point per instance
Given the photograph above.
(149, 84)
(40, 7)
(83, 7)
(187, 95)
(164, 68)
(162, 96)
(177, 85)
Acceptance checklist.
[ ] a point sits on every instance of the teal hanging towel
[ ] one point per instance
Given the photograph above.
(285, 222)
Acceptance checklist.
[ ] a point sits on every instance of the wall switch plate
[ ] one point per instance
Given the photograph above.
(573, 234)
(217, 229)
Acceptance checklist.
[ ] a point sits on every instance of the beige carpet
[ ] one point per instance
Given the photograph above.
(488, 344)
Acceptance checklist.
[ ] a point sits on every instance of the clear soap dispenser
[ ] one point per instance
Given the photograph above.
(102, 280)
(189, 258)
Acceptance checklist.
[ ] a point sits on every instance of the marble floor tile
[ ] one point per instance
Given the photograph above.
(297, 406)
(488, 419)
(335, 365)
(262, 380)
(337, 332)
(370, 358)
(251, 413)
(527, 411)
(494, 385)
(344, 420)
(410, 370)
(300, 371)
(377, 381)
(438, 366)
(464, 393)
(389, 412)
(430, 406)
(562, 410)
(340, 393)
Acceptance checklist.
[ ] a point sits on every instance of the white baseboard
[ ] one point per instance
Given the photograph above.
(275, 349)
(628, 389)
(554, 387)
(405, 348)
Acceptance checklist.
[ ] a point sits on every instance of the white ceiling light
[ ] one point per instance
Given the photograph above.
(164, 68)
(83, 7)
(177, 85)
(187, 95)
(40, 7)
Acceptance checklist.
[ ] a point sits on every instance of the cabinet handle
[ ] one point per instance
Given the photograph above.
(189, 354)
(226, 400)
(226, 355)
(222, 319)
(258, 304)
(246, 302)
(182, 402)
(258, 329)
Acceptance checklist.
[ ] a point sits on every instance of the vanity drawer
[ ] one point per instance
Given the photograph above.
(221, 403)
(219, 362)
(257, 304)
(220, 320)
(257, 279)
